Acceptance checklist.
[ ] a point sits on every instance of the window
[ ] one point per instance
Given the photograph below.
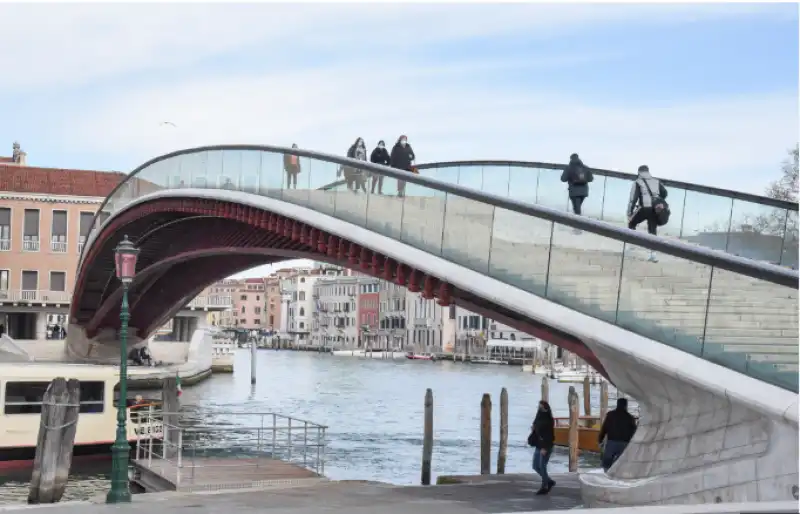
(302, 296)
(302, 311)
(272, 320)
(30, 283)
(243, 309)
(5, 229)
(26, 397)
(30, 231)
(4, 281)
(257, 310)
(58, 281)
(243, 321)
(58, 232)
(84, 227)
(243, 298)
(256, 322)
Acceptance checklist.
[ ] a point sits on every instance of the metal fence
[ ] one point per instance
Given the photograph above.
(177, 450)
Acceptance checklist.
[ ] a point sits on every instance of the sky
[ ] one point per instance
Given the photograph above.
(705, 93)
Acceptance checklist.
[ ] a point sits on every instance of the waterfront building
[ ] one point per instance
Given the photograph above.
(45, 217)
(298, 291)
(368, 311)
(272, 303)
(335, 314)
(392, 317)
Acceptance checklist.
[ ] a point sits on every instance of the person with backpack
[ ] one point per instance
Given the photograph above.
(578, 177)
(542, 438)
(379, 156)
(648, 203)
(291, 164)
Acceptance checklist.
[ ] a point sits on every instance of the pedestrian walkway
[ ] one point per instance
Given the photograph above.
(508, 493)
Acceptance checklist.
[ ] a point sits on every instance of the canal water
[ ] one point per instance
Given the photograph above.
(374, 411)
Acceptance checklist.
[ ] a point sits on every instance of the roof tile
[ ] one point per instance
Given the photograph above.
(56, 181)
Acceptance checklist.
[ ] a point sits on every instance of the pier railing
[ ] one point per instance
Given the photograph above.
(227, 440)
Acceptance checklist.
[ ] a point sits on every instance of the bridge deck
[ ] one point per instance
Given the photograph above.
(219, 474)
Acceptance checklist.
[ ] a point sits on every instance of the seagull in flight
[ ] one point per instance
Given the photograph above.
(168, 123)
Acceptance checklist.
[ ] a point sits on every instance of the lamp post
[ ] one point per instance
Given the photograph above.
(125, 255)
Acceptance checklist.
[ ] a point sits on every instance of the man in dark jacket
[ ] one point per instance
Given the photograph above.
(379, 156)
(402, 158)
(619, 426)
(577, 176)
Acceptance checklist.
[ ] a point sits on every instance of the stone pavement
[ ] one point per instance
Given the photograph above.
(493, 495)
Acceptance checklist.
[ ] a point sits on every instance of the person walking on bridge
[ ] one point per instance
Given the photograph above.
(542, 439)
(647, 203)
(291, 164)
(402, 158)
(577, 176)
(379, 156)
(619, 427)
(355, 176)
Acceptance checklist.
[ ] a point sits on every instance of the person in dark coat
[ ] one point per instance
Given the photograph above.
(619, 427)
(542, 439)
(402, 158)
(291, 164)
(578, 177)
(379, 156)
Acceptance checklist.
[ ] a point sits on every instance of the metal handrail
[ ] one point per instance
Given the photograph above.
(711, 190)
(762, 271)
(275, 436)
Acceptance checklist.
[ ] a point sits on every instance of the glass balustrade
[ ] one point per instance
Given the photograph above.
(742, 323)
(740, 227)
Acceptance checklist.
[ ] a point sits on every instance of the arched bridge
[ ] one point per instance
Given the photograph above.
(705, 340)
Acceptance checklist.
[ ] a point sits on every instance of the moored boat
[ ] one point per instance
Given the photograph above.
(420, 356)
(22, 388)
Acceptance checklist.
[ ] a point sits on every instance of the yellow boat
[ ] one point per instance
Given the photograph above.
(588, 430)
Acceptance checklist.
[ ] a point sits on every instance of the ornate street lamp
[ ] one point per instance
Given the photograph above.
(125, 255)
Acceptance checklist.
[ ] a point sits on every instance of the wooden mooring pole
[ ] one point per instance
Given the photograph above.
(59, 421)
(603, 400)
(587, 396)
(170, 405)
(427, 439)
(545, 390)
(573, 429)
(486, 434)
(502, 450)
(253, 354)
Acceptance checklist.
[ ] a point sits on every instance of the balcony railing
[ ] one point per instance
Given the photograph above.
(5, 245)
(215, 301)
(58, 246)
(35, 296)
(80, 247)
(30, 246)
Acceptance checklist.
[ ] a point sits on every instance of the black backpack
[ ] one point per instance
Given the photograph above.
(580, 176)
(660, 206)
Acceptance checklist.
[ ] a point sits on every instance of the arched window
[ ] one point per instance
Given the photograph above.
(302, 311)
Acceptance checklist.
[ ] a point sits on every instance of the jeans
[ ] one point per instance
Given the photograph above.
(644, 214)
(540, 465)
(611, 453)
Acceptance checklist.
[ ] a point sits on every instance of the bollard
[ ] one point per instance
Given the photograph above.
(503, 448)
(587, 396)
(573, 429)
(486, 434)
(427, 439)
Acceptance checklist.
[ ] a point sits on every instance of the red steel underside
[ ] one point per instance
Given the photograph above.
(187, 244)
